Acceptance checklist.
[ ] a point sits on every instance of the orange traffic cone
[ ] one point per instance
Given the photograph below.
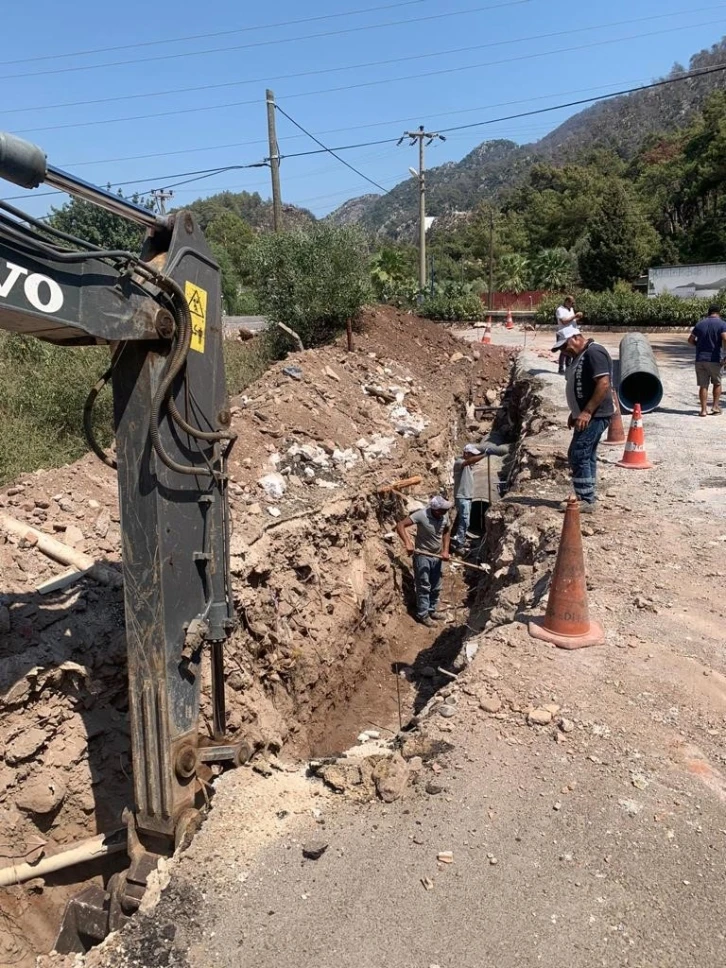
(487, 337)
(634, 456)
(567, 620)
(616, 431)
(510, 322)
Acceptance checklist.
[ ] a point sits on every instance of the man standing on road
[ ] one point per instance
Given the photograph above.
(709, 338)
(565, 315)
(464, 492)
(591, 406)
(432, 538)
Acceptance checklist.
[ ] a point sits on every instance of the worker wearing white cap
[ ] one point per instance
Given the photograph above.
(591, 406)
(464, 491)
(565, 315)
(433, 532)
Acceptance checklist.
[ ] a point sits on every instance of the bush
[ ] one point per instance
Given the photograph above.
(314, 281)
(451, 307)
(627, 308)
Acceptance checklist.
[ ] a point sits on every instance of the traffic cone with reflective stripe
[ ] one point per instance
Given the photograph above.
(566, 623)
(634, 456)
(616, 431)
(487, 337)
(510, 322)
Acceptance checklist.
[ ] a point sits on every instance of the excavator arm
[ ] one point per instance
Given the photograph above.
(160, 314)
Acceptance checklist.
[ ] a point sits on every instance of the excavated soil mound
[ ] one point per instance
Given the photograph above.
(318, 586)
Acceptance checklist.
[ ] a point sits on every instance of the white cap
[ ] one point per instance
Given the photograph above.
(564, 334)
(472, 449)
(439, 503)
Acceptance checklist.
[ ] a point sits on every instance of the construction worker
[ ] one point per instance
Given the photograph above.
(565, 315)
(433, 533)
(590, 400)
(709, 338)
(464, 492)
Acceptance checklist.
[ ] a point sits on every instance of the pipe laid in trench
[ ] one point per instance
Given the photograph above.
(100, 846)
(639, 380)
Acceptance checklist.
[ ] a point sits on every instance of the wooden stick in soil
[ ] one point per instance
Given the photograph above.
(60, 552)
(397, 485)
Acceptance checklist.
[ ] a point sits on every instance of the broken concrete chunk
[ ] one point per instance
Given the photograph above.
(273, 485)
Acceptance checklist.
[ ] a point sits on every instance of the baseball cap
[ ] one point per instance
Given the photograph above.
(564, 334)
(472, 449)
(439, 503)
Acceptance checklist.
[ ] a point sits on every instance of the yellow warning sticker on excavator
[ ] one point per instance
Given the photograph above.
(197, 299)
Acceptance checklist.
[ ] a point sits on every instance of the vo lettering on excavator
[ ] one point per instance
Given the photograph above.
(197, 299)
(42, 292)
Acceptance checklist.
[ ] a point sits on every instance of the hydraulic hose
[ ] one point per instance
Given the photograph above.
(88, 420)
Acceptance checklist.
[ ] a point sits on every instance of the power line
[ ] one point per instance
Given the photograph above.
(347, 67)
(265, 43)
(366, 84)
(374, 124)
(331, 151)
(687, 75)
(216, 33)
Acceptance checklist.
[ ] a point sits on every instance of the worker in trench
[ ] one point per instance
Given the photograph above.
(589, 397)
(430, 550)
(464, 492)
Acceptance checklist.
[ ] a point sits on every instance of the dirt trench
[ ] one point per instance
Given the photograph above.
(321, 592)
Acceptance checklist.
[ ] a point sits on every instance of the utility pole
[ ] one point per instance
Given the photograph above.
(491, 259)
(274, 160)
(160, 196)
(428, 136)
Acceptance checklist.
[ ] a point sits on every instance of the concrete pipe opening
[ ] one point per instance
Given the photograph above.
(639, 380)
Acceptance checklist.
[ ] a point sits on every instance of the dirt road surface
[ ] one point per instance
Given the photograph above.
(580, 795)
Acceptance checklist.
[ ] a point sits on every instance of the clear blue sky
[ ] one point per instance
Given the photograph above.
(481, 59)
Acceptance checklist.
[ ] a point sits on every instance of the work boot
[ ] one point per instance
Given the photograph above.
(437, 616)
(426, 620)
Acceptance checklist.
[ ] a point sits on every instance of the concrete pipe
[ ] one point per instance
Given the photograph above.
(639, 380)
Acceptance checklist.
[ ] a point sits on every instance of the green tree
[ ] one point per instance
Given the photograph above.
(314, 281)
(620, 241)
(513, 273)
(96, 225)
(229, 237)
(392, 271)
(553, 269)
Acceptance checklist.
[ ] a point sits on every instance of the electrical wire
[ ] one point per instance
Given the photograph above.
(374, 124)
(363, 66)
(374, 83)
(216, 33)
(267, 43)
(330, 150)
(689, 75)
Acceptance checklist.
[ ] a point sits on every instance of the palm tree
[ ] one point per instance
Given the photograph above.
(553, 269)
(513, 273)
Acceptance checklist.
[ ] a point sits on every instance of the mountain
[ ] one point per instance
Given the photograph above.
(620, 124)
(251, 207)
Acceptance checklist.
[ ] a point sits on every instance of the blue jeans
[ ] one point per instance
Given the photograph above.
(583, 458)
(427, 578)
(463, 517)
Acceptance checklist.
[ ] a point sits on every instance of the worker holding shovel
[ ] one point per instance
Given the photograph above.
(431, 549)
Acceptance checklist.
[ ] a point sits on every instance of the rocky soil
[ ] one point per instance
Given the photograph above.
(318, 587)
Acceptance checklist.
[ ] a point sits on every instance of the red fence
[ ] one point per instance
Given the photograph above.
(522, 301)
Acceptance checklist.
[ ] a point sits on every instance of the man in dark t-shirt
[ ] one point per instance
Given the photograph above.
(709, 337)
(589, 397)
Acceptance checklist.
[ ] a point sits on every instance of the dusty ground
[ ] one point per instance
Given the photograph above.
(319, 590)
(594, 838)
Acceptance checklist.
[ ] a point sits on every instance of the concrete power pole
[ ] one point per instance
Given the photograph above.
(274, 160)
(161, 197)
(428, 136)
